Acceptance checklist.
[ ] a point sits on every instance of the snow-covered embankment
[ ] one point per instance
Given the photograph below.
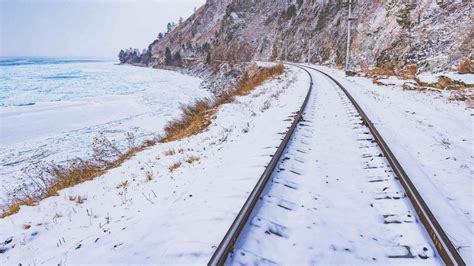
(170, 203)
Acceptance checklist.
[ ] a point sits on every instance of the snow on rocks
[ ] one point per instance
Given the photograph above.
(431, 78)
(142, 212)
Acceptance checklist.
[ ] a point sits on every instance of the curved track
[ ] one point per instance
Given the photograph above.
(337, 195)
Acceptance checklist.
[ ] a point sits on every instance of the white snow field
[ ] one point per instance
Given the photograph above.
(52, 111)
(433, 140)
(333, 199)
(178, 217)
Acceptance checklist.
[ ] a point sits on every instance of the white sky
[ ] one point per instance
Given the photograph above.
(92, 28)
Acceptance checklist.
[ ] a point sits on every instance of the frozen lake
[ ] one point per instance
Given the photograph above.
(51, 109)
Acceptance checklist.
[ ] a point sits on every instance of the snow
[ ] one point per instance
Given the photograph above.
(333, 200)
(432, 78)
(66, 114)
(432, 138)
(178, 217)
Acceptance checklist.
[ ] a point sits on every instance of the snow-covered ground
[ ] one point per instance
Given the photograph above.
(176, 217)
(432, 78)
(143, 212)
(52, 109)
(333, 199)
(433, 139)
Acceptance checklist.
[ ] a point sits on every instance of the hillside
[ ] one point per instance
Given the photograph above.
(385, 33)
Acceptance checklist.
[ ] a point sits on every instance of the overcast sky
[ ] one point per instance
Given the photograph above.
(92, 28)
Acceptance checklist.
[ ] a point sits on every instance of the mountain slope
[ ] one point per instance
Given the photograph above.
(423, 33)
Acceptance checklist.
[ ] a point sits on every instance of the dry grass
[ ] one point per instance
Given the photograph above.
(466, 66)
(252, 80)
(382, 71)
(123, 184)
(266, 105)
(408, 72)
(47, 179)
(390, 69)
(198, 116)
(15, 206)
(149, 177)
(77, 199)
(174, 166)
(459, 90)
(149, 174)
(193, 159)
(445, 83)
(169, 152)
(194, 119)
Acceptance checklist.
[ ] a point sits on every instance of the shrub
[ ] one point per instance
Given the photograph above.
(290, 12)
(192, 159)
(194, 119)
(466, 66)
(403, 16)
(409, 72)
(174, 167)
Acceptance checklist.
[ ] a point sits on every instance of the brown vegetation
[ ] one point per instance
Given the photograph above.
(466, 66)
(77, 199)
(169, 152)
(123, 184)
(194, 119)
(390, 69)
(408, 72)
(197, 117)
(445, 83)
(47, 179)
(174, 166)
(192, 159)
(459, 90)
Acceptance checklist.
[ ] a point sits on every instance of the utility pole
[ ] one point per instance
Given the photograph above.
(348, 50)
(309, 52)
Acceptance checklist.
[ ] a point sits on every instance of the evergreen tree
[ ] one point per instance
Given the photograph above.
(168, 58)
(121, 56)
(177, 60)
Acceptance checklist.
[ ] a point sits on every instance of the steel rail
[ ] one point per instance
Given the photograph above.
(227, 244)
(443, 244)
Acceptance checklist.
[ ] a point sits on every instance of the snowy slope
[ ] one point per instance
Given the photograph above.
(432, 138)
(176, 217)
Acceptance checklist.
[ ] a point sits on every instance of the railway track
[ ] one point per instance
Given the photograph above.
(334, 193)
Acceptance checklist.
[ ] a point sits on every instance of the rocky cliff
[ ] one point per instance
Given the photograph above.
(431, 34)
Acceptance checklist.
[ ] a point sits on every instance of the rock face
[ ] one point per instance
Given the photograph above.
(431, 34)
